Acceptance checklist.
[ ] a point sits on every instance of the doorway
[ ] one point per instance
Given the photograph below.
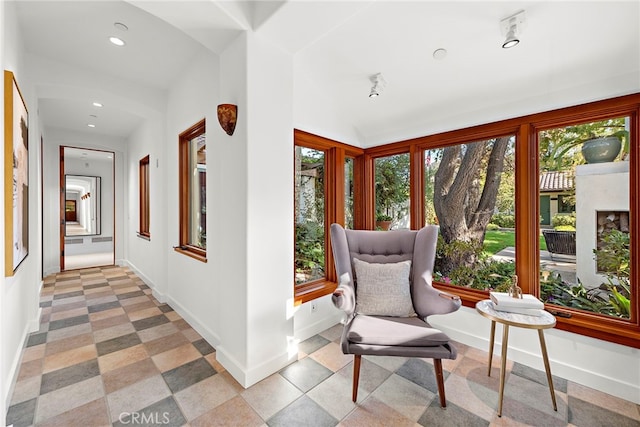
(87, 208)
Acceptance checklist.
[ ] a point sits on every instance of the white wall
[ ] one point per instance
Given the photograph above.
(4, 375)
(148, 258)
(269, 208)
(610, 181)
(19, 294)
(314, 112)
(193, 287)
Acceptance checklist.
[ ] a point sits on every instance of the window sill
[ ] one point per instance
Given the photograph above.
(191, 253)
(144, 236)
(313, 290)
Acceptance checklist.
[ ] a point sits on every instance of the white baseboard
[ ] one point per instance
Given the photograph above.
(248, 377)
(16, 361)
(50, 271)
(204, 331)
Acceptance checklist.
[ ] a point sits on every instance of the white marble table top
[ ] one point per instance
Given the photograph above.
(544, 321)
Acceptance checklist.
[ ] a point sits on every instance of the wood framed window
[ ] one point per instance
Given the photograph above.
(327, 188)
(143, 203)
(192, 170)
(486, 186)
(605, 304)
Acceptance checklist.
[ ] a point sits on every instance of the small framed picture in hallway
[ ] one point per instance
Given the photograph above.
(16, 175)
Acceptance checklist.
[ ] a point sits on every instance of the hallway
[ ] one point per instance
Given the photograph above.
(108, 353)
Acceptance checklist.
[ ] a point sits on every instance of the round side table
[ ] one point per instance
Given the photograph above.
(545, 321)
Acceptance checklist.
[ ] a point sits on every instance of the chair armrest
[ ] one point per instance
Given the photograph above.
(344, 298)
(429, 300)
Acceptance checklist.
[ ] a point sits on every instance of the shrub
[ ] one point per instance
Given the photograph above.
(492, 227)
(309, 248)
(564, 219)
(504, 220)
(462, 264)
(564, 228)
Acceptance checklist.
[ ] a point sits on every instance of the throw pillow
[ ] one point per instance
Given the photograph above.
(383, 289)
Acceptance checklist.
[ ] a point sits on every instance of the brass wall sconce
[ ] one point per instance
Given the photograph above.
(227, 115)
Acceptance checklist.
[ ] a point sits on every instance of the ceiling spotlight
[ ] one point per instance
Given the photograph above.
(378, 85)
(117, 41)
(512, 27)
(511, 39)
(91, 125)
(97, 104)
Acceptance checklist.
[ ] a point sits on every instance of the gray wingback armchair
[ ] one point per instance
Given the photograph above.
(366, 334)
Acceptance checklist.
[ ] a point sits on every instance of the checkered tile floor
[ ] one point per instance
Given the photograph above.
(108, 353)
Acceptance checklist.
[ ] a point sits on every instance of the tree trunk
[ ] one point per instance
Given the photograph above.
(463, 203)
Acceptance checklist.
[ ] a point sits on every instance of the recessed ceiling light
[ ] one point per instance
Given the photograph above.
(117, 41)
(91, 125)
(97, 104)
(120, 26)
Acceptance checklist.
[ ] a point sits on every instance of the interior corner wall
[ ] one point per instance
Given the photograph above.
(257, 176)
(270, 208)
(19, 294)
(231, 183)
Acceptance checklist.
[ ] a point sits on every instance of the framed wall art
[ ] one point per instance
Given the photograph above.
(16, 175)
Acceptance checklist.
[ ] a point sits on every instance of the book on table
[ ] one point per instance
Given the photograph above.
(528, 304)
(520, 310)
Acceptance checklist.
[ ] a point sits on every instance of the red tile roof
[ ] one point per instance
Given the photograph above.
(555, 181)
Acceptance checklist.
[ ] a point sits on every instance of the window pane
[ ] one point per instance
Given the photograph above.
(197, 192)
(469, 192)
(348, 193)
(392, 192)
(309, 214)
(584, 216)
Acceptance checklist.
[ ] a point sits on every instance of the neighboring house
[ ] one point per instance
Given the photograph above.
(557, 190)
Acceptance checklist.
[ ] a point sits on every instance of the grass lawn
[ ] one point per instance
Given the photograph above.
(495, 241)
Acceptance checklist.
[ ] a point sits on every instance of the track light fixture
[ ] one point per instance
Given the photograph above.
(378, 85)
(512, 28)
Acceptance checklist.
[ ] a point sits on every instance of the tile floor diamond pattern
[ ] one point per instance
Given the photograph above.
(109, 354)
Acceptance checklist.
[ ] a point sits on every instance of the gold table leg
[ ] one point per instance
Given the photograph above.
(503, 366)
(547, 368)
(492, 337)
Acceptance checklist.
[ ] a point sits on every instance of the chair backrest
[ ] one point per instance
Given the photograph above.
(380, 247)
(387, 247)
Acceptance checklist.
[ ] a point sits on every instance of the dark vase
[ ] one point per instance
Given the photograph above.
(601, 150)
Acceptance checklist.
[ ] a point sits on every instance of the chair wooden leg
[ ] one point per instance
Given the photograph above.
(437, 366)
(356, 376)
